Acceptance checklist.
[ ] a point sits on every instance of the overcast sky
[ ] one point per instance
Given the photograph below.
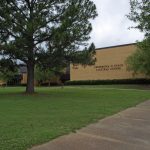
(111, 26)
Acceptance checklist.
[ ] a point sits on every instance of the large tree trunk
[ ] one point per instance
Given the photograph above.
(30, 78)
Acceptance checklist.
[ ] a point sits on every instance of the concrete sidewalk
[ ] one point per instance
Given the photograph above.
(127, 130)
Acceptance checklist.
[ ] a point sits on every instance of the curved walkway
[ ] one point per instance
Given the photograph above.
(127, 130)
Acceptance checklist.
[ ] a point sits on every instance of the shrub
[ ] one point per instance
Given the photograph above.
(109, 82)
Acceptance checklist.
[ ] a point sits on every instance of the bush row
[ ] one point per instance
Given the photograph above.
(109, 82)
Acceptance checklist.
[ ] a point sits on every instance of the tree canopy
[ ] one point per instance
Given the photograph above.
(139, 62)
(48, 33)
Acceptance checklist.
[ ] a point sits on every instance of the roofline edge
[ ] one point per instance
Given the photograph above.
(115, 46)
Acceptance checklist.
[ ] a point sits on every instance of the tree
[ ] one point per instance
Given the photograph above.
(140, 14)
(47, 32)
(139, 62)
(43, 75)
(8, 70)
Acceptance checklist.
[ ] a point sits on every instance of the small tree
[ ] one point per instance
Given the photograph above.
(8, 69)
(140, 14)
(53, 30)
(140, 60)
(42, 75)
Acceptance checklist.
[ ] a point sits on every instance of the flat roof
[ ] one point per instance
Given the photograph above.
(115, 46)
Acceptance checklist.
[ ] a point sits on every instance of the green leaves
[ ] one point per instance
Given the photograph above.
(8, 69)
(46, 33)
(140, 60)
(51, 24)
(45, 75)
(140, 14)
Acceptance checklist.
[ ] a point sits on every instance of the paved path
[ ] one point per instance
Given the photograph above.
(127, 130)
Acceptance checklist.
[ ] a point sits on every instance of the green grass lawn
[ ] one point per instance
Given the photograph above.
(27, 120)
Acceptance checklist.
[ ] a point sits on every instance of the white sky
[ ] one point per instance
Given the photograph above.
(111, 26)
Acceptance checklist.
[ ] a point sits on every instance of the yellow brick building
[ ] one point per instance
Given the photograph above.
(110, 65)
